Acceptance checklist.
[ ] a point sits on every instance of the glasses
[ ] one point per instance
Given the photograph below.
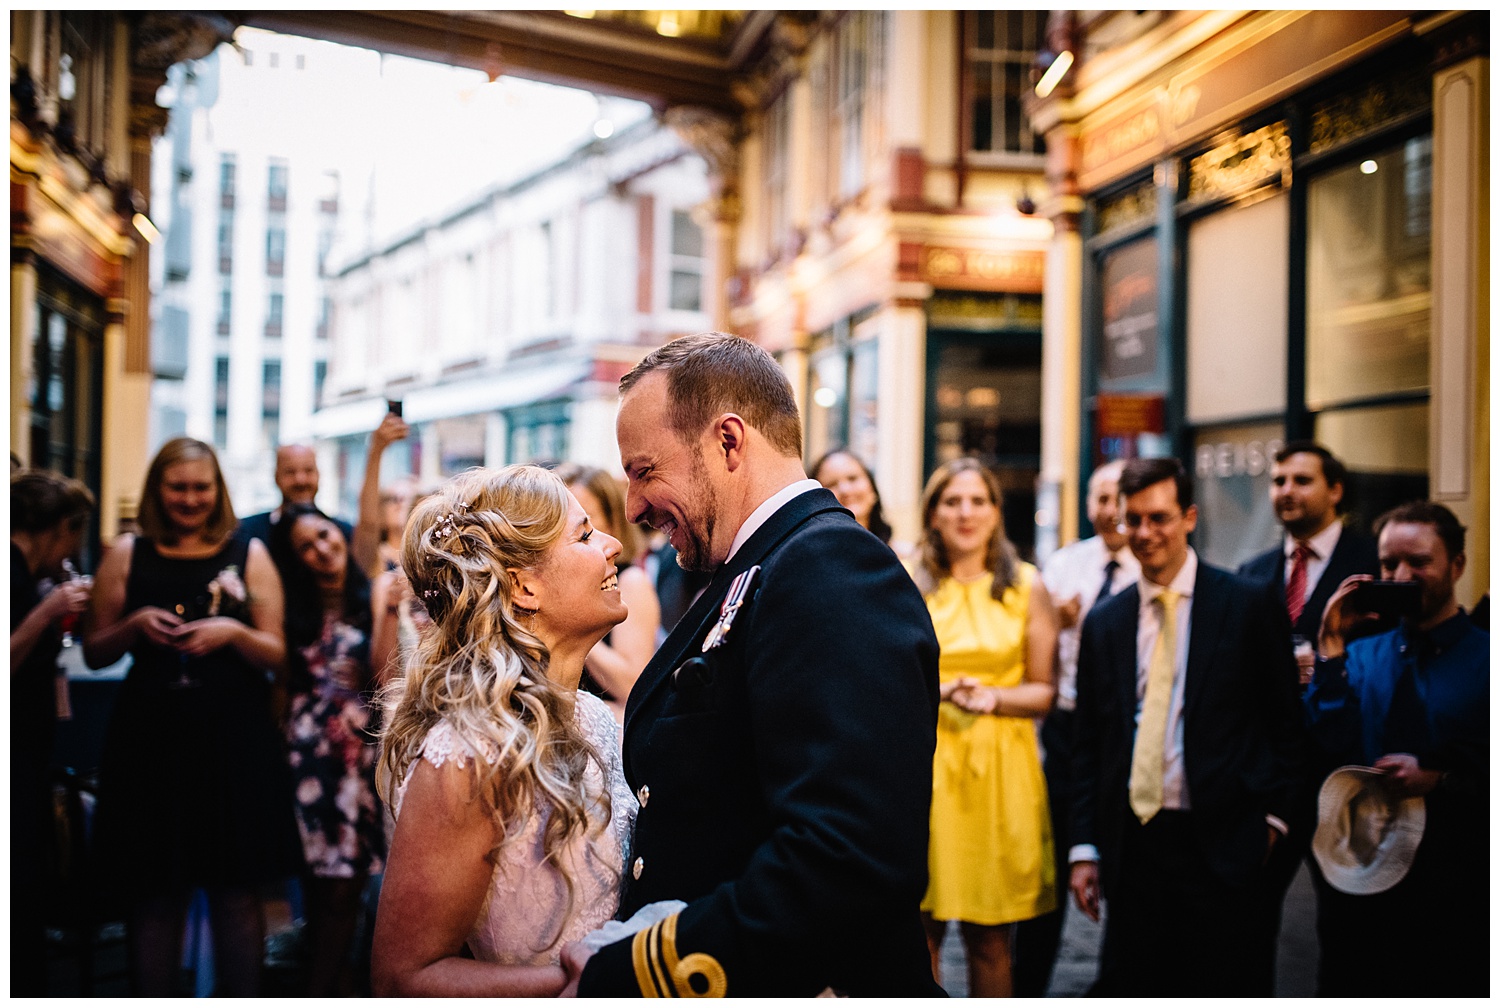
(1155, 520)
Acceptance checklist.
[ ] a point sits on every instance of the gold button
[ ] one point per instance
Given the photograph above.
(638, 867)
(643, 795)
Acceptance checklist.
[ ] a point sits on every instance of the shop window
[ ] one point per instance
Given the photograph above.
(1386, 451)
(538, 433)
(843, 407)
(66, 388)
(460, 442)
(1369, 283)
(685, 289)
(1236, 318)
(1001, 48)
(1231, 469)
(985, 401)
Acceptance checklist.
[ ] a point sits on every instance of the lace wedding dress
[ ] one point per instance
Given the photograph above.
(526, 918)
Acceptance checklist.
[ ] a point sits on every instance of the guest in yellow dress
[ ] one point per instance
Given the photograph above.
(990, 859)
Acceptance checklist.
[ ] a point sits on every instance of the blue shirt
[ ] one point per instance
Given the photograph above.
(1350, 716)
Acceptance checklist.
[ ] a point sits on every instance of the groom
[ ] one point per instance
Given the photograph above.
(780, 742)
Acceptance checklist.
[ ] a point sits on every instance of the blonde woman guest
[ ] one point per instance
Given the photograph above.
(512, 812)
(990, 861)
(194, 792)
(616, 662)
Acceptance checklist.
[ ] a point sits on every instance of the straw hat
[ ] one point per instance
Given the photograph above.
(1366, 837)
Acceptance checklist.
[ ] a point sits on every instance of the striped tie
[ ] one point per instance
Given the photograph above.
(1296, 582)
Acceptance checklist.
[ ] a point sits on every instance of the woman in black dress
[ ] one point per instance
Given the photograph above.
(48, 514)
(194, 789)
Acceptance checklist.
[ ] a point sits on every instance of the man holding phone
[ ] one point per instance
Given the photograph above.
(1414, 703)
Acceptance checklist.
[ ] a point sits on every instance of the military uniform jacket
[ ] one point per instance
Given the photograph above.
(785, 780)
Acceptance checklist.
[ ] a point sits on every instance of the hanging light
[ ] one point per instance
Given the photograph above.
(1054, 74)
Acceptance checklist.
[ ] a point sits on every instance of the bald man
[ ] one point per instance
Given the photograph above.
(297, 479)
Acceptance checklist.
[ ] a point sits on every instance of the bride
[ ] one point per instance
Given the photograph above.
(512, 812)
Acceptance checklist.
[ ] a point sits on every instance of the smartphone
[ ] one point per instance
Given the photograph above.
(393, 406)
(1388, 598)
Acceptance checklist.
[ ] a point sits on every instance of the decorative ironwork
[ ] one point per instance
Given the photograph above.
(1129, 207)
(1241, 164)
(1379, 103)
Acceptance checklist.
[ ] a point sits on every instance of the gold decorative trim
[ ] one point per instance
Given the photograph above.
(1356, 113)
(654, 955)
(1241, 164)
(1130, 207)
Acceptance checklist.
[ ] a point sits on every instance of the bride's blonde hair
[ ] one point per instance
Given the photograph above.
(480, 668)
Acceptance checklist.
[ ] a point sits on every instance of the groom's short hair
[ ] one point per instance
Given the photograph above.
(713, 373)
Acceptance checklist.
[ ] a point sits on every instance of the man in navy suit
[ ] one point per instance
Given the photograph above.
(1185, 752)
(1315, 556)
(780, 742)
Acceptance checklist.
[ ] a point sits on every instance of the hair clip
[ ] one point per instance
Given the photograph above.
(430, 593)
(443, 526)
(461, 506)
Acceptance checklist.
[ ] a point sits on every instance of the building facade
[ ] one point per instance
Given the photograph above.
(885, 242)
(504, 326)
(83, 114)
(1272, 225)
(251, 206)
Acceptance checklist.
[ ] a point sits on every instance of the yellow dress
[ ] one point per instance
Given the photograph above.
(990, 854)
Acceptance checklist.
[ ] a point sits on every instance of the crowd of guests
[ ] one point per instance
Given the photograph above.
(1128, 727)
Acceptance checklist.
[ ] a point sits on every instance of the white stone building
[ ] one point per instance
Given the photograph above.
(505, 325)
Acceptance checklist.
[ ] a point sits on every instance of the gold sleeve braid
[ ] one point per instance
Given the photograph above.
(660, 973)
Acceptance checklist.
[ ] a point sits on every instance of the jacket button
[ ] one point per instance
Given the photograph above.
(643, 795)
(638, 867)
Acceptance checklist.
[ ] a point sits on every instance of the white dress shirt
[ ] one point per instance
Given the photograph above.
(767, 508)
(1322, 546)
(1077, 570)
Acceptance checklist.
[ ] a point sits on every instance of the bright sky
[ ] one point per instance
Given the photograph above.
(435, 134)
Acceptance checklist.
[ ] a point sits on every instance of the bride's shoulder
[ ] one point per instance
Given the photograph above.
(446, 743)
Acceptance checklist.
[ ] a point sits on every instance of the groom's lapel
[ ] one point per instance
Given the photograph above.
(697, 621)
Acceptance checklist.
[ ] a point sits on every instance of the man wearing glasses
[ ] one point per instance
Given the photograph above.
(1186, 750)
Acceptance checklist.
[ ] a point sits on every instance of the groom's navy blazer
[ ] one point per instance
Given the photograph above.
(785, 787)
(1241, 724)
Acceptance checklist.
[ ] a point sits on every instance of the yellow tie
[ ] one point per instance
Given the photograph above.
(1151, 732)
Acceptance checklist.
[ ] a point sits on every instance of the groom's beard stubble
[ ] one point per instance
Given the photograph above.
(696, 554)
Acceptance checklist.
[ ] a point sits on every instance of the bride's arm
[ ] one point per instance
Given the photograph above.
(435, 883)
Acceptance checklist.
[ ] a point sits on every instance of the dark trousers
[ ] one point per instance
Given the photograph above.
(1172, 926)
(1037, 939)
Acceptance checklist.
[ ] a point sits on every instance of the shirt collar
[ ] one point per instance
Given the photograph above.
(767, 508)
(1182, 584)
(1321, 544)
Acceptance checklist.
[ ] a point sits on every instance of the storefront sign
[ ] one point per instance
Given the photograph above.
(1130, 311)
(1126, 415)
(1020, 272)
(1230, 459)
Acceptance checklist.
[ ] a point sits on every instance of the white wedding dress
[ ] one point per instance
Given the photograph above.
(526, 919)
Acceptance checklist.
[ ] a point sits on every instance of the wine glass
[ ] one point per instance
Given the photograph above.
(187, 612)
(69, 621)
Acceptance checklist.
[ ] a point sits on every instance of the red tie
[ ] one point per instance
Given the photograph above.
(1296, 582)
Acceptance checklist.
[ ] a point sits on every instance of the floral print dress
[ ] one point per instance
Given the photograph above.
(331, 740)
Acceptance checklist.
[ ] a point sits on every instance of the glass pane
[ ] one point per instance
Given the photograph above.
(864, 401)
(1236, 318)
(1385, 448)
(1128, 289)
(985, 36)
(686, 291)
(983, 106)
(987, 395)
(828, 401)
(1232, 483)
(1369, 285)
(687, 237)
